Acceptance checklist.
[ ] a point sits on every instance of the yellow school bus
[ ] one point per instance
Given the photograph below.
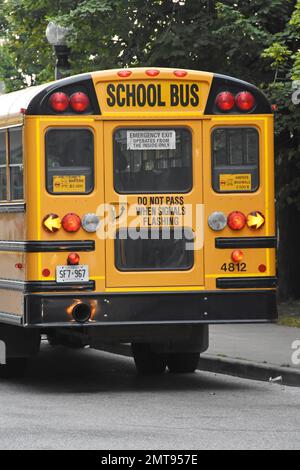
(136, 206)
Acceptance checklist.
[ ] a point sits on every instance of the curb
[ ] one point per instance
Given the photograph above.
(249, 370)
(235, 367)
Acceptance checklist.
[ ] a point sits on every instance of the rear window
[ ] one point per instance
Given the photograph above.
(152, 160)
(69, 161)
(153, 252)
(235, 159)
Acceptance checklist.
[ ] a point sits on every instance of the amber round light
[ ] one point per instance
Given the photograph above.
(59, 101)
(73, 259)
(236, 220)
(71, 222)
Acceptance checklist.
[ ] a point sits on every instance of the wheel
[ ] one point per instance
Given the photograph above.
(183, 363)
(147, 361)
(14, 367)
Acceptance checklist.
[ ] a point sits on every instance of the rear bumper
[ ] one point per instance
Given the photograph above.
(247, 306)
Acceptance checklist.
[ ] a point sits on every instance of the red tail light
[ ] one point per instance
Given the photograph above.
(236, 220)
(237, 256)
(79, 102)
(245, 101)
(71, 222)
(225, 101)
(73, 259)
(59, 101)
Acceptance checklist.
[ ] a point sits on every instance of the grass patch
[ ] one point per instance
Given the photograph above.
(292, 321)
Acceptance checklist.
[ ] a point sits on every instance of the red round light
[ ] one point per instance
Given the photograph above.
(124, 73)
(236, 220)
(79, 102)
(245, 101)
(262, 268)
(59, 101)
(225, 101)
(71, 222)
(152, 72)
(180, 73)
(73, 258)
(237, 256)
(19, 265)
(46, 272)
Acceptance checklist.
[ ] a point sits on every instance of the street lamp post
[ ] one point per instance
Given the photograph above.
(56, 36)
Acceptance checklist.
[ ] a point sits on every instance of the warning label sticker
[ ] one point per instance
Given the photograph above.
(237, 182)
(69, 184)
(151, 140)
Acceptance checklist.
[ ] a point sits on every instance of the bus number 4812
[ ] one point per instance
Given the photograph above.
(234, 267)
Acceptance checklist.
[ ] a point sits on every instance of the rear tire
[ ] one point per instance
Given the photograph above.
(183, 363)
(147, 361)
(14, 368)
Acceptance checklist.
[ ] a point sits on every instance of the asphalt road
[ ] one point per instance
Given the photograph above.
(93, 400)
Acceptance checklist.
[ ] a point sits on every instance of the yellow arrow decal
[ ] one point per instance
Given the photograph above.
(52, 223)
(255, 220)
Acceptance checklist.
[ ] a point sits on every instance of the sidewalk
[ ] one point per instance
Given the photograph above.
(260, 352)
(266, 343)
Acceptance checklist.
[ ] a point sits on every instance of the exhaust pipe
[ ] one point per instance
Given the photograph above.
(81, 312)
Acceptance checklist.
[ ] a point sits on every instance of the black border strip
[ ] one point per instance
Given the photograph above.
(246, 242)
(246, 282)
(47, 246)
(8, 207)
(45, 286)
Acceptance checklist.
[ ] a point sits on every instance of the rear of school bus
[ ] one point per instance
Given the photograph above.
(149, 212)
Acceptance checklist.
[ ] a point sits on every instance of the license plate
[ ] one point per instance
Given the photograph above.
(78, 273)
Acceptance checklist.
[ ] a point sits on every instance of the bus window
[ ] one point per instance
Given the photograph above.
(3, 177)
(154, 252)
(70, 161)
(235, 159)
(152, 160)
(16, 163)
